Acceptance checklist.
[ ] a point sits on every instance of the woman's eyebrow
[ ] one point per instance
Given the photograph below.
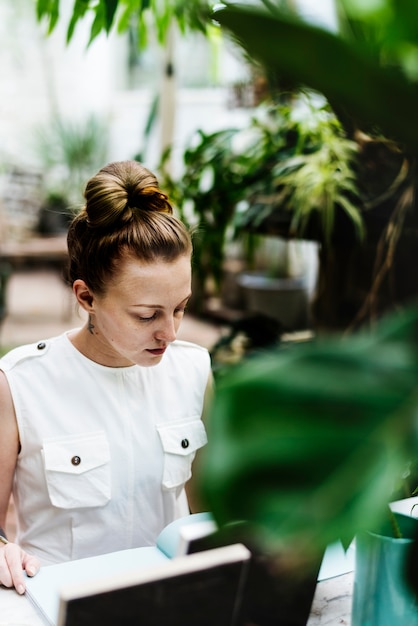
(159, 306)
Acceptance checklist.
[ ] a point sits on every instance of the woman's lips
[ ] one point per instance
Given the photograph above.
(157, 351)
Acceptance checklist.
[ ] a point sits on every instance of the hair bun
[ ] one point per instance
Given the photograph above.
(118, 191)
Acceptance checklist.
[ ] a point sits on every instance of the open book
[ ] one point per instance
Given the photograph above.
(128, 568)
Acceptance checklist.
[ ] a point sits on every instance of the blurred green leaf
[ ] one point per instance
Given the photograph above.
(48, 9)
(110, 10)
(306, 443)
(80, 9)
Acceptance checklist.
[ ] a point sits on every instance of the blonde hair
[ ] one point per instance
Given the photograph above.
(125, 213)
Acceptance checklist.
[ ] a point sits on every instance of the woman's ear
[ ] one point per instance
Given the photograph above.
(83, 294)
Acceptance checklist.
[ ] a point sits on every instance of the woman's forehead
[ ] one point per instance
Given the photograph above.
(154, 277)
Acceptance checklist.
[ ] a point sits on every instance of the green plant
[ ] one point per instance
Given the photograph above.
(289, 159)
(364, 68)
(71, 152)
(307, 442)
(214, 180)
(319, 181)
(308, 170)
(122, 14)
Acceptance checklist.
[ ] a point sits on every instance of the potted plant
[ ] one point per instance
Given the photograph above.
(70, 152)
(288, 172)
(309, 173)
(307, 182)
(358, 280)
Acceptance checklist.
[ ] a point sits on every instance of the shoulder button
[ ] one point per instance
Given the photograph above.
(41, 345)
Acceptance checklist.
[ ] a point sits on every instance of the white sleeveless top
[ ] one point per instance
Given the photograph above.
(105, 452)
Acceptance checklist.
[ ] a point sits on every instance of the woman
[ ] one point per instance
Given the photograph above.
(100, 425)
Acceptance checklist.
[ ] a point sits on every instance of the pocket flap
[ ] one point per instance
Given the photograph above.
(184, 437)
(76, 454)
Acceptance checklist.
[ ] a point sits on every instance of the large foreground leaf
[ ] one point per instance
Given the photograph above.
(306, 443)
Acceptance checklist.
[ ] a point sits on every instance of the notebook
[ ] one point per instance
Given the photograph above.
(44, 589)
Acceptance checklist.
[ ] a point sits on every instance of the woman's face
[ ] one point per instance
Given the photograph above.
(140, 313)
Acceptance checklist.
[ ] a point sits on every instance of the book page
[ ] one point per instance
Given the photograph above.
(170, 540)
(44, 589)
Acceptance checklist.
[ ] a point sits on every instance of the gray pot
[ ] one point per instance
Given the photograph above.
(284, 299)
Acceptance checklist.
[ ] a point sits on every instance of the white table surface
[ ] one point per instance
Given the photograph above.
(331, 605)
(17, 610)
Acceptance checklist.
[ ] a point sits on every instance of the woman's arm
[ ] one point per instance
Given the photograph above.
(13, 560)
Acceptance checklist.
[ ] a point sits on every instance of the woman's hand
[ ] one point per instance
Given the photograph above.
(13, 562)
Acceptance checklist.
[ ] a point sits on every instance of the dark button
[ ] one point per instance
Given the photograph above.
(184, 443)
(76, 460)
(41, 345)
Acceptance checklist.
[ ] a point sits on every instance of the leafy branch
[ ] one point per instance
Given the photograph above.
(122, 14)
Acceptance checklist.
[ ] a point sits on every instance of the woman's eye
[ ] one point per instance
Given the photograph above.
(147, 319)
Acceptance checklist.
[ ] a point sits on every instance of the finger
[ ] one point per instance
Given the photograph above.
(31, 565)
(5, 576)
(13, 555)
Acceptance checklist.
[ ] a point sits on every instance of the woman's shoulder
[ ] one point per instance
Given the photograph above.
(25, 352)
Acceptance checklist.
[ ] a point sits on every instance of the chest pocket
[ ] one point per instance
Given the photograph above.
(180, 440)
(77, 470)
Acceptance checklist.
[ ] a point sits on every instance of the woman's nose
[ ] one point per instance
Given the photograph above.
(167, 331)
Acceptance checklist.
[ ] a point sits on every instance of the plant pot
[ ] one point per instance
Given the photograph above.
(284, 299)
(381, 594)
